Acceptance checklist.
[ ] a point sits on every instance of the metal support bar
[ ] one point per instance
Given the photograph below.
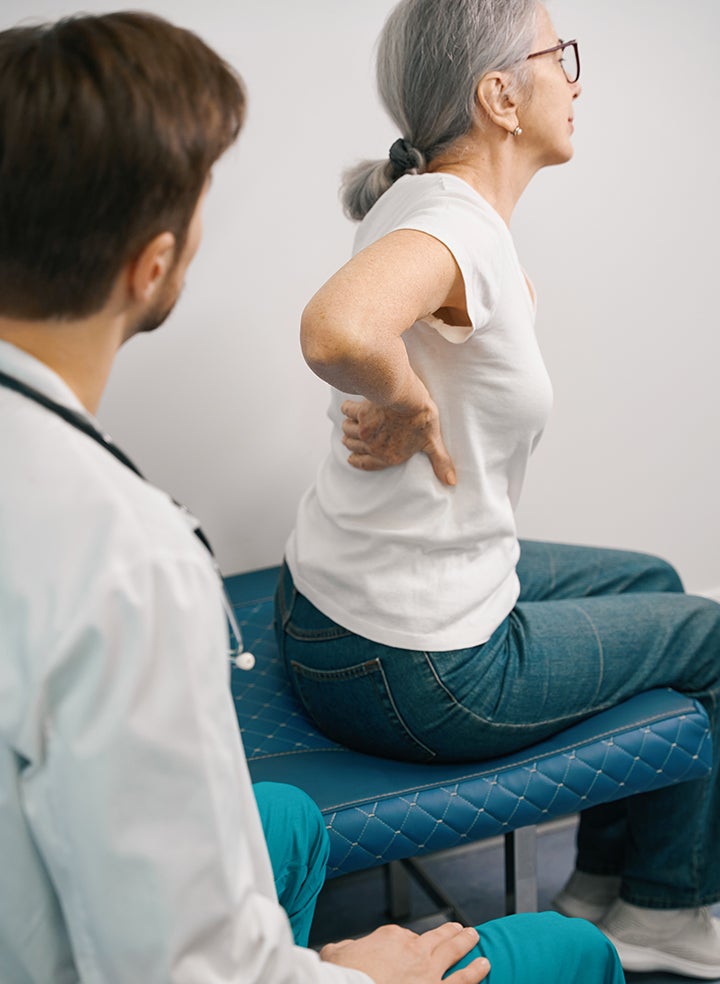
(435, 891)
(397, 891)
(520, 881)
(521, 870)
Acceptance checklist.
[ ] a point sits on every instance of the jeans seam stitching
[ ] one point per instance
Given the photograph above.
(398, 715)
(316, 635)
(601, 652)
(367, 670)
(346, 673)
(452, 697)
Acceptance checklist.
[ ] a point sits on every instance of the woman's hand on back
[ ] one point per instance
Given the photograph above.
(379, 437)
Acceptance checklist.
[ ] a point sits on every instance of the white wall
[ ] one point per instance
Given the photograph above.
(218, 406)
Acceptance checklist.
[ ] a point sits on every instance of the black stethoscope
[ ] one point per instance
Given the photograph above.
(242, 659)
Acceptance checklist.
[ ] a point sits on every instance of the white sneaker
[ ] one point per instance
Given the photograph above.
(587, 896)
(680, 941)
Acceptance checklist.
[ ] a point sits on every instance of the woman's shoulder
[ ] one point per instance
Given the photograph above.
(431, 202)
(435, 190)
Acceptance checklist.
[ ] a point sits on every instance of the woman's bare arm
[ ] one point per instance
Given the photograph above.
(351, 336)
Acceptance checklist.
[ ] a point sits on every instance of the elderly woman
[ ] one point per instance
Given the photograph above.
(413, 622)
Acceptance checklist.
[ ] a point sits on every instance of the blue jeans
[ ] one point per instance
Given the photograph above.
(591, 628)
(528, 949)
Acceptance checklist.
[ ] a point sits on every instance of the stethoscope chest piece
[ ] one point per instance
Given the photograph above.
(244, 661)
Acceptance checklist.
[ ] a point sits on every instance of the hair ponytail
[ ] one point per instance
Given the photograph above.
(364, 183)
(431, 56)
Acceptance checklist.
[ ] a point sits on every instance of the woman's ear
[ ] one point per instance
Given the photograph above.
(496, 96)
(147, 272)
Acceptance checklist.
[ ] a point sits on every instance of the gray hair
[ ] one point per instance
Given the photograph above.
(431, 56)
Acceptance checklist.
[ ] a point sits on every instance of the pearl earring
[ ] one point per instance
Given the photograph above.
(517, 131)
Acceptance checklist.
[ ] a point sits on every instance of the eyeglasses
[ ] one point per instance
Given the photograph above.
(570, 60)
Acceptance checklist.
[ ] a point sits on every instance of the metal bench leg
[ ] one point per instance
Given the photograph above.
(398, 876)
(521, 870)
(397, 891)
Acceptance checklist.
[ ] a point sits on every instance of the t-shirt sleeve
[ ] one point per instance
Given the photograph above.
(471, 232)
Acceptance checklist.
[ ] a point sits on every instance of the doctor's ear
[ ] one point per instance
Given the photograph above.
(497, 96)
(147, 272)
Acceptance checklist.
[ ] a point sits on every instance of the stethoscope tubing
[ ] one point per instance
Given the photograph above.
(242, 659)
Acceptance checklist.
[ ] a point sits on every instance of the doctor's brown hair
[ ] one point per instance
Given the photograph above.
(109, 126)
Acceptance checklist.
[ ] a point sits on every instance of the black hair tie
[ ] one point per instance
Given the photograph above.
(403, 157)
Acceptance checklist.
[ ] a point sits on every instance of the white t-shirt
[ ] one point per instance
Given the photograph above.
(131, 848)
(394, 555)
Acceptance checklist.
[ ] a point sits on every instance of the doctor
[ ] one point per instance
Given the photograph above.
(131, 846)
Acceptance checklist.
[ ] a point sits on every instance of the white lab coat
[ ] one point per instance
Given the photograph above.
(130, 845)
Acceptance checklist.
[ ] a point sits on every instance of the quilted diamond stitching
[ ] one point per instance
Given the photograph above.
(480, 804)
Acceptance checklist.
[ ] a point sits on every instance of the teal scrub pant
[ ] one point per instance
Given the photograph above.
(534, 948)
(299, 848)
(545, 948)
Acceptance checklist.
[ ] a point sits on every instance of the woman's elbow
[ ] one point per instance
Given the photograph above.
(313, 343)
(325, 345)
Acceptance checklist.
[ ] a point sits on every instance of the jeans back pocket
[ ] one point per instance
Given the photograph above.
(354, 706)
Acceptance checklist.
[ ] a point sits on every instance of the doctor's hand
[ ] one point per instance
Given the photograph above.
(379, 437)
(393, 955)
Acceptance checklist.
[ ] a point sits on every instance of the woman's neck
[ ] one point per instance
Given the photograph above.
(493, 166)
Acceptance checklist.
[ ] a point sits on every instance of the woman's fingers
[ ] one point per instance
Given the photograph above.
(351, 428)
(351, 408)
(378, 438)
(366, 462)
(441, 462)
(356, 444)
(440, 459)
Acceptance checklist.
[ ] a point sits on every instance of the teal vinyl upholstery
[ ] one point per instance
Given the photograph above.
(378, 810)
